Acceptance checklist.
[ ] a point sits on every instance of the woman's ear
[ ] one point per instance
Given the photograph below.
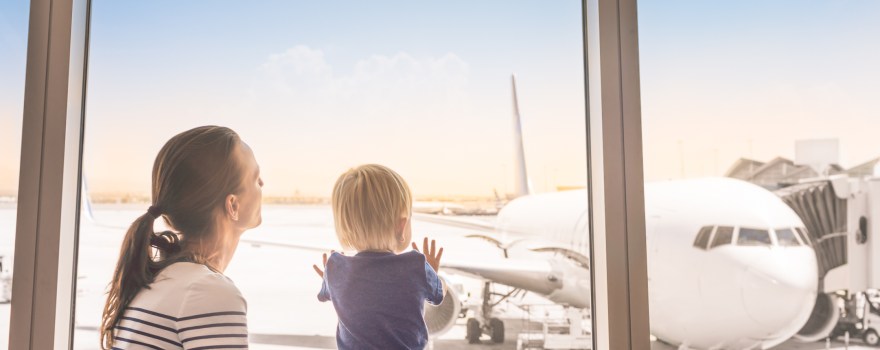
(232, 207)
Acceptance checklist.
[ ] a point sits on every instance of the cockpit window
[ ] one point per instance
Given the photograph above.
(751, 236)
(703, 237)
(803, 235)
(786, 237)
(723, 235)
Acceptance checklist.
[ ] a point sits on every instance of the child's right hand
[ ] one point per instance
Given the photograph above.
(318, 270)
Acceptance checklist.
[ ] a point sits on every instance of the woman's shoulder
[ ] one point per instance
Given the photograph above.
(204, 290)
(197, 277)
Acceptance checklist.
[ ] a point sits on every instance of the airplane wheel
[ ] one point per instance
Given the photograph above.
(497, 327)
(871, 338)
(473, 331)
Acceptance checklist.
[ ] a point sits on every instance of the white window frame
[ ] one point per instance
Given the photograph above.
(51, 161)
(616, 180)
(48, 191)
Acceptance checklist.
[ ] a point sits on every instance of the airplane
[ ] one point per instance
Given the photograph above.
(730, 264)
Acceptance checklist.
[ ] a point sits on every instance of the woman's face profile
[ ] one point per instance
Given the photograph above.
(251, 194)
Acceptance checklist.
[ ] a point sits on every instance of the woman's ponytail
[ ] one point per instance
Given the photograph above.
(134, 271)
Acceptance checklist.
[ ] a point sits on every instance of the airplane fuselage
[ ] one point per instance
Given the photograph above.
(751, 284)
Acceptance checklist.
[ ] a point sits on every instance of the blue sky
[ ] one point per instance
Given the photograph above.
(316, 87)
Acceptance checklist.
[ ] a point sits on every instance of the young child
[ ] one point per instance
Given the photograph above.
(379, 293)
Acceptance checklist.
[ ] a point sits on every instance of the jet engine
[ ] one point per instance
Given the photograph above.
(822, 321)
(441, 318)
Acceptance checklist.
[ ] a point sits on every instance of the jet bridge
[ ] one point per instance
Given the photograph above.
(842, 216)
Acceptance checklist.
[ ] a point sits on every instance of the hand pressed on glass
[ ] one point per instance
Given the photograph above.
(431, 255)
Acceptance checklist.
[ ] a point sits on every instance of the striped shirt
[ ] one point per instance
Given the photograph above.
(188, 306)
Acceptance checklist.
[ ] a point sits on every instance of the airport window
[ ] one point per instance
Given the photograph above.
(751, 236)
(800, 153)
(13, 49)
(434, 103)
(723, 235)
(787, 237)
(703, 238)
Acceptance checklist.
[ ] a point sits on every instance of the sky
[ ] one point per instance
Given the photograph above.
(317, 87)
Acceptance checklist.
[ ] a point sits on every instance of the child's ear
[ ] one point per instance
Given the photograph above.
(401, 225)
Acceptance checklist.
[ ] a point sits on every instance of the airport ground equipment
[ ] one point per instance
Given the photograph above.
(562, 328)
(5, 283)
(861, 318)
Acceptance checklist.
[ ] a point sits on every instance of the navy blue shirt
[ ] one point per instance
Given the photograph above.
(380, 299)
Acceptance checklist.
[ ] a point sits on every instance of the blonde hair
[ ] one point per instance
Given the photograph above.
(368, 202)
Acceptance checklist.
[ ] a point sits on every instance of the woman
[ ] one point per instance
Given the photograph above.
(168, 290)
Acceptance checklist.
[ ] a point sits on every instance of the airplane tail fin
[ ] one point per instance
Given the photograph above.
(521, 180)
(86, 200)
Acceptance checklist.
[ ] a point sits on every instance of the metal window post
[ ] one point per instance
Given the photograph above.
(617, 203)
(47, 222)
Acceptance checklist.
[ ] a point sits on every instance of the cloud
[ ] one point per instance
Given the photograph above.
(301, 80)
(410, 112)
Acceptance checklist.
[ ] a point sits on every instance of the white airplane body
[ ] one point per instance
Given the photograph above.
(743, 294)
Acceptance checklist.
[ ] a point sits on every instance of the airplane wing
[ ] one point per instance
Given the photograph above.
(457, 221)
(282, 244)
(538, 276)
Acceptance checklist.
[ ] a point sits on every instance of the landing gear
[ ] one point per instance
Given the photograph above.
(484, 322)
(473, 331)
(497, 329)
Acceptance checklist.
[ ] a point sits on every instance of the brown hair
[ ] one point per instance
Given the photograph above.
(192, 176)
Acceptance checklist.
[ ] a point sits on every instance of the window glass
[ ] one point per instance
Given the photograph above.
(13, 57)
(316, 88)
(786, 237)
(703, 237)
(751, 236)
(723, 235)
(741, 102)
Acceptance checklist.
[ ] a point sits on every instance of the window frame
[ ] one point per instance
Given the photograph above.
(51, 157)
(51, 161)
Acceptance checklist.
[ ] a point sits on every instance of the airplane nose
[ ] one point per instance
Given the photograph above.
(779, 289)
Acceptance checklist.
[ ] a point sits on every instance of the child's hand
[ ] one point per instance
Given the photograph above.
(318, 269)
(431, 255)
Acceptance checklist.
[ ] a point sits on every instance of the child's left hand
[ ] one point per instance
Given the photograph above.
(318, 270)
